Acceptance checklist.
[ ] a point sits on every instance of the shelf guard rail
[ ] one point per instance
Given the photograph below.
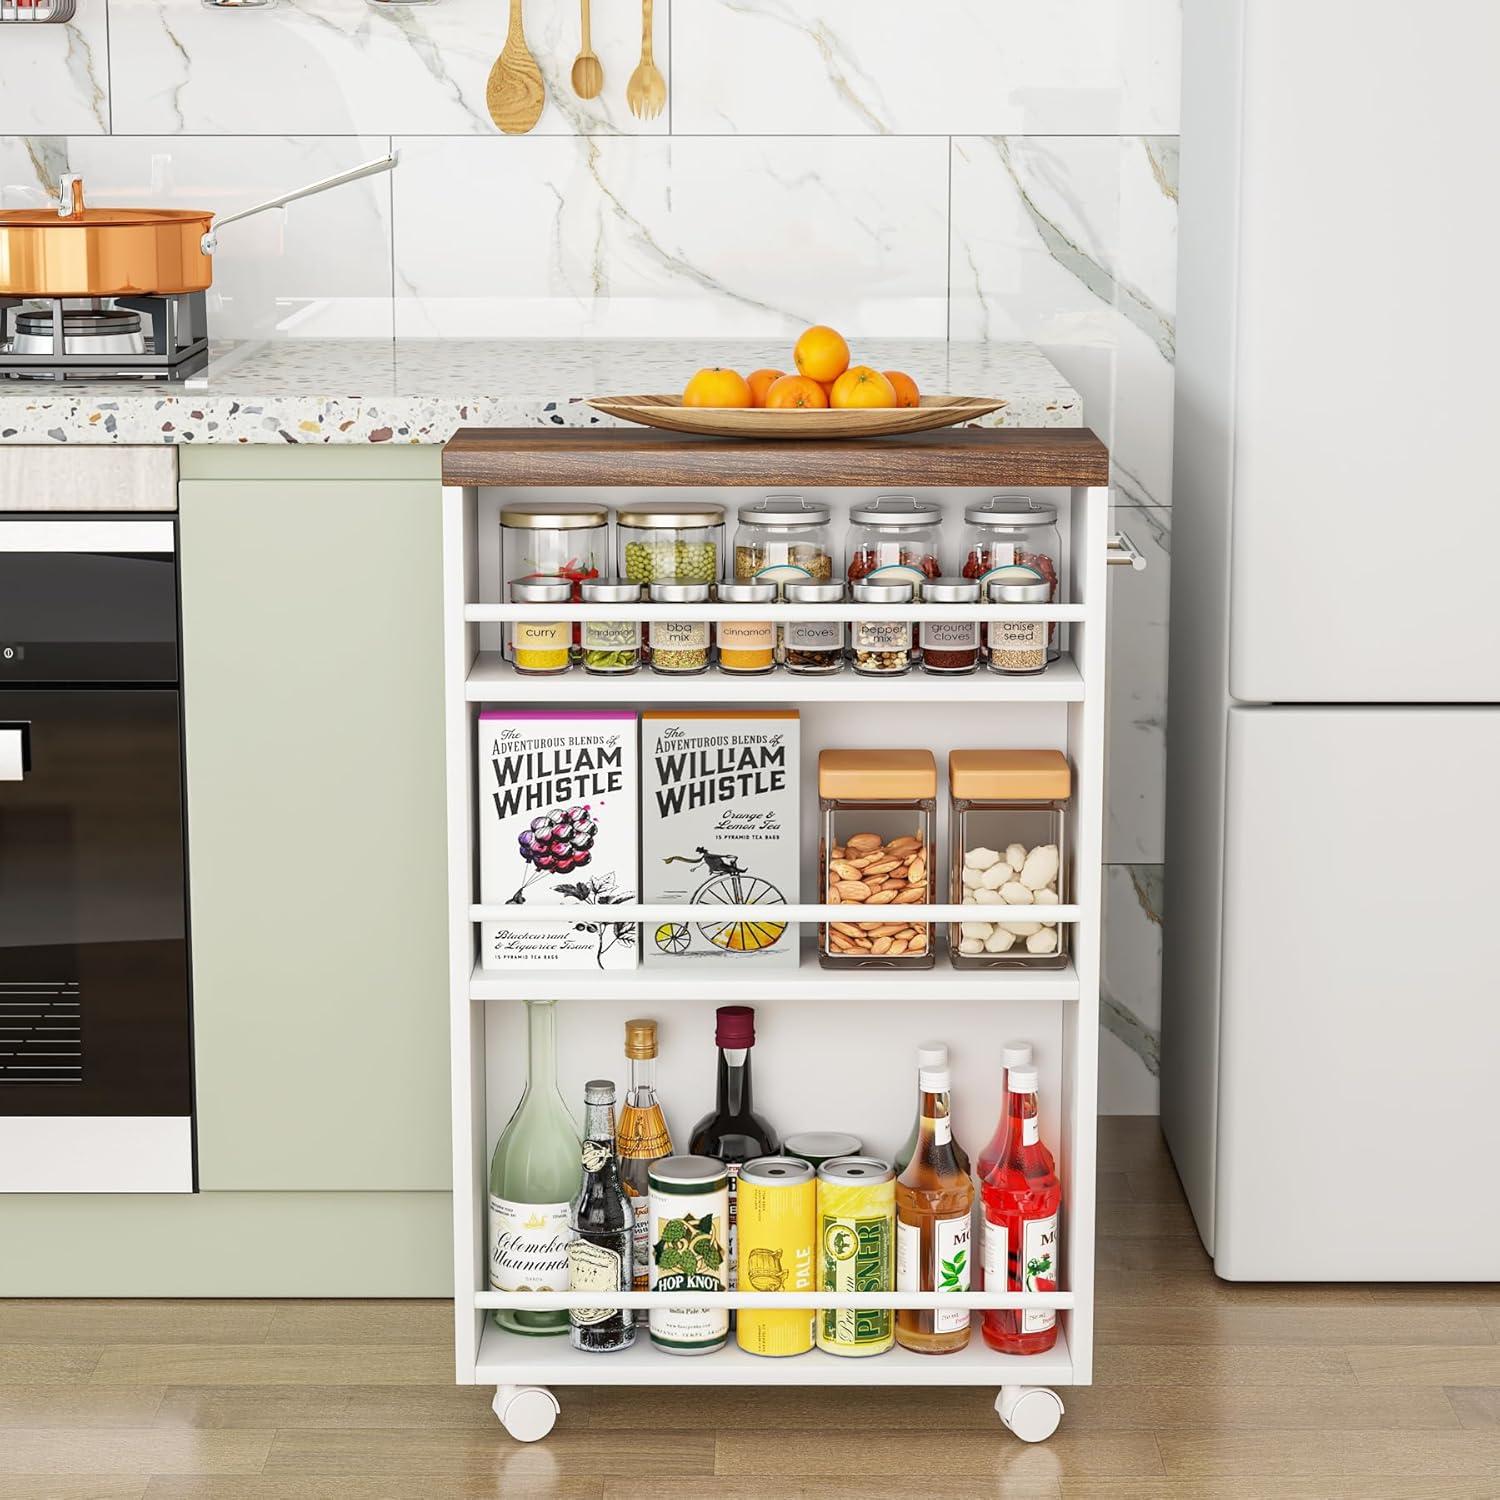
(768, 1301)
(533, 916)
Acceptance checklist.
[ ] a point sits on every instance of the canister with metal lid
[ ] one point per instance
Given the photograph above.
(747, 647)
(1018, 647)
(676, 541)
(540, 648)
(950, 648)
(680, 647)
(895, 537)
(813, 645)
(783, 539)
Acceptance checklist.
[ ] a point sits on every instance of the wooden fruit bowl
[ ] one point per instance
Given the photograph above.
(823, 422)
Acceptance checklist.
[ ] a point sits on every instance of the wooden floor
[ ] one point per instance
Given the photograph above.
(1203, 1389)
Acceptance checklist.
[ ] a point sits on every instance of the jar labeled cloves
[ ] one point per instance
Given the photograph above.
(812, 645)
(747, 646)
(950, 647)
(541, 648)
(680, 647)
(611, 647)
(1019, 647)
(882, 648)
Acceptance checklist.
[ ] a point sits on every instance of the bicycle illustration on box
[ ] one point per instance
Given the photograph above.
(728, 883)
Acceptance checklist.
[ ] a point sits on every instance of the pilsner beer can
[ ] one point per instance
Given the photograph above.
(689, 1251)
(856, 1251)
(818, 1146)
(777, 1224)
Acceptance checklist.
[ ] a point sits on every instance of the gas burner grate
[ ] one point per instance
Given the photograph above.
(41, 1032)
(40, 12)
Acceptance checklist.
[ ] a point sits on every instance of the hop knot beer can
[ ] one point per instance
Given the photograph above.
(856, 1251)
(777, 1228)
(689, 1251)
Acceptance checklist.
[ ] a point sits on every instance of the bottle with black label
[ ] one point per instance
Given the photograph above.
(600, 1255)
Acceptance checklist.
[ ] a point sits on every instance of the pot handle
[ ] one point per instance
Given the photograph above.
(210, 241)
(70, 197)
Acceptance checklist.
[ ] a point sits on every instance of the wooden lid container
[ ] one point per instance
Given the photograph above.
(877, 775)
(1009, 775)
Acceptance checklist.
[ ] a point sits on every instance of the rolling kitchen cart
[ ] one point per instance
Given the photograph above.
(836, 1047)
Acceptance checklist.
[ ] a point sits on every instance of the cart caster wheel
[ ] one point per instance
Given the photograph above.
(1032, 1412)
(527, 1412)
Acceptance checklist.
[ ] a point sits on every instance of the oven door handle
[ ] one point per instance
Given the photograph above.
(15, 751)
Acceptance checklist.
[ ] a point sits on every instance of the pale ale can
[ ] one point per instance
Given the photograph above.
(778, 1214)
(856, 1251)
(818, 1146)
(689, 1251)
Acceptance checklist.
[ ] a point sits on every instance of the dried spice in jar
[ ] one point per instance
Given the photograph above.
(783, 539)
(1014, 530)
(811, 645)
(881, 648)
(554, 539)
(680, 647)
(896, 537)
(1019, 646)
(611, 647)
(747, 646)
(950, 647)
(541, 647)
(679, 541)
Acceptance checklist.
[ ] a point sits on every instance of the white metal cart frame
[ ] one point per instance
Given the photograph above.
(1071, 461)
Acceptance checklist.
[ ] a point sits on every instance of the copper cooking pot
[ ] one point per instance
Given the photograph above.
(76, 251)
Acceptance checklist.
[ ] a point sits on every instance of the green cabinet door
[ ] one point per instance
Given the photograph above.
(312, 679)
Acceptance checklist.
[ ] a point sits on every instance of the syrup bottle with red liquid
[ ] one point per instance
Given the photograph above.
(1022, 1248)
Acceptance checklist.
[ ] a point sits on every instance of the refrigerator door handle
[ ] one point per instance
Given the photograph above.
(15, 751)
(1120, 551)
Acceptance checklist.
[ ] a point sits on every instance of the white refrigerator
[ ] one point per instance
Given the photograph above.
(1330, 1076)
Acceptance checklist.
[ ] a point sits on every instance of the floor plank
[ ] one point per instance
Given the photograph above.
(273, 1364)
(362, 1323)
(355, 1406)
(1230, 1408)
(139, 1321)
(1410, 1364)
(534, 1485)
(48, 1364)
(1474, 1406)
(132, 1450)
(74, 1487)
(1228, 1365)
(79, 1405)
(1364, 1324)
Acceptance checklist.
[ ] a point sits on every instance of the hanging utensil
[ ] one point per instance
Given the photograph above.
(515, 94)
(588, 71)
(646, 93)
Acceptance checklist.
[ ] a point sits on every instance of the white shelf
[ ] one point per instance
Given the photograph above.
(493, 680)
(519, 1359)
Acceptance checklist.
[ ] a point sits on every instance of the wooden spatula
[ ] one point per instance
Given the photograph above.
(516, 94)
(588, 71)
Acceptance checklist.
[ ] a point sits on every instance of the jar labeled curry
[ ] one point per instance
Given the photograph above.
(747, 646)
(680, 647)
(541, 648)
(783, 539)
(1019, 647)
(611, 647)
(881, 648)
(812, 645)
(673, 541)
(950, 647)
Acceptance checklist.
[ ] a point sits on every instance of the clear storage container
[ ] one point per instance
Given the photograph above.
(1006, 824)
(896, 536)
(877, 810)
(675, 541)
(540, 648)
(813, 646)
(1006, 531)
(783, 539)
(747, 647)
(611, 648)
(680, 648)
(881, 648)
(554, 539)
(950, 648)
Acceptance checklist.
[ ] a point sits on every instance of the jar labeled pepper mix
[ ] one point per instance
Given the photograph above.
(680, 647)
(675, 541)
(881, 648)
(812, 645)
(541, 647)
(950, 647)
(783, 539)
(611, 647)
(897, 537)
(1019, 646)
(747, 646)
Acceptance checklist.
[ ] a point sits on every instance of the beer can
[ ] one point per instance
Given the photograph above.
(778, 1226)
(818, 1146)
(689, 1250)
(856, 1251)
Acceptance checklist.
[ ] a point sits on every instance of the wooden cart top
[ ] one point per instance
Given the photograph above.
(954, 456)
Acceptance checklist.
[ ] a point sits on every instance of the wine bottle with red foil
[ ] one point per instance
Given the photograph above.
(732, 1132)
(1022, 1200)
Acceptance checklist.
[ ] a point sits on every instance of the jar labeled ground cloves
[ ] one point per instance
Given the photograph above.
(541, 648)
(812, 645)
(680, 648)
(950, 647)
(747, 647)
(611, 648)
(881, 648)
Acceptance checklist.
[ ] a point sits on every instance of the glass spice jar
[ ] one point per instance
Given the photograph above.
(950, 647)
(672, 541)
(541, 648)
(1009, 530)
(1018, 647)
(611, 647)
(896, 536)
(747, 647)
(811, 645)
(554, 539)
(680, 648)
(783, 539)
(882, 648)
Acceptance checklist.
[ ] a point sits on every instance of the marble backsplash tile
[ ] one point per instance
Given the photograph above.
(1130, 998)
(54, 80)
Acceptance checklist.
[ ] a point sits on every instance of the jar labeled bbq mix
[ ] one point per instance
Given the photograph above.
(950, 647)
(680, 647)
(1006, 531)
(896, 537)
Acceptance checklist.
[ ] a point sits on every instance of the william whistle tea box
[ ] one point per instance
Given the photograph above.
(720, 826)
(559, 795)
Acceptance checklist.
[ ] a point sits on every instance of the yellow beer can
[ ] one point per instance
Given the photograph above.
(856, 1251)
(777, 1232)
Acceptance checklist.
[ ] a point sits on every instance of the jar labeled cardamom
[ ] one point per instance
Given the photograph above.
(812, 645)
(611, 647)
(680, 647)
(747, 646)
(540, 648)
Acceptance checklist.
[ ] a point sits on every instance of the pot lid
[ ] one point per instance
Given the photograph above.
(79, 216)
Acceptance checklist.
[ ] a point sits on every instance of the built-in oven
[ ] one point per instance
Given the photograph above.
(96, 1077)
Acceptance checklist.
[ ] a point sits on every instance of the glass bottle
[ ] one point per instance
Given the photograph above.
(1012, 1055)
(934, 1221)
(732, 1132)
(534, 1177)
(929, 1055)
(601, 1253)
(1022, 1247)
(643, 1139)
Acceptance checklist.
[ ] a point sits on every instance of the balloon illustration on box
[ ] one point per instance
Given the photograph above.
(556, 844)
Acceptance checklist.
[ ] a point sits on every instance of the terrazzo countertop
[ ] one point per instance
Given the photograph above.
(422, 391)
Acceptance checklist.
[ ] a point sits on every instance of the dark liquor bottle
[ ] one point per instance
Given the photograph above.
(600, 1256)
(732, 1132)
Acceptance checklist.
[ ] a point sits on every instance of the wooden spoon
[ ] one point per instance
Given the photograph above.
(515, 94)
(588, 71)
(646, 93)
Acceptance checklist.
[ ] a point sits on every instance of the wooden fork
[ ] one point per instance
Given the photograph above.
(646, 93)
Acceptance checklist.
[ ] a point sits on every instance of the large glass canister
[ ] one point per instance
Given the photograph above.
(1007, 531)
(878, 812)
(783, 539)
(1006, 823)
(611, 648)
(553, 539)
(814, 644)
(896, 537)
(670, 541)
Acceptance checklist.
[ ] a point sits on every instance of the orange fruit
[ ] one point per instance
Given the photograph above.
(760, 381)
(717, 387)
(860, 386)
(905, 387)
(821, 353)
(794, 391)
(827, 386)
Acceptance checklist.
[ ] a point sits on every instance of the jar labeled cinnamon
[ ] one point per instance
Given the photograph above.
(747, 646)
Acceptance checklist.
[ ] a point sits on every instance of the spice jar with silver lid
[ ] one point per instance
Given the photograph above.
(783, 539)
(611, 648)
(950, 647)
(882, 648)
(1019, 647)
(812, 645)
(680, 648)
(541, 648)
(747, 647)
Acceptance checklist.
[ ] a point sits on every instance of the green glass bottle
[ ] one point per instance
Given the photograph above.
(535, 1175)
